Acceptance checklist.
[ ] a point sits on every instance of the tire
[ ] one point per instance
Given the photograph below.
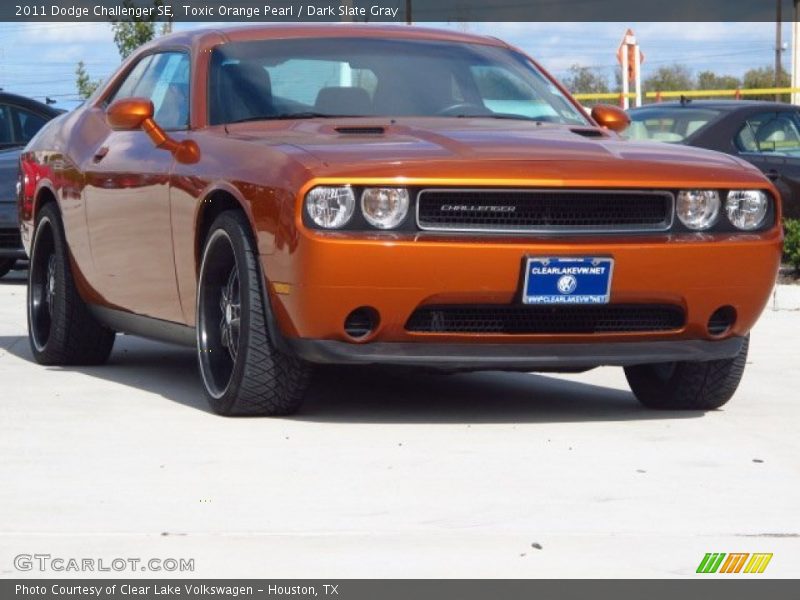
(6, 264)
(61, 329)
(243, 372)
(688, 385)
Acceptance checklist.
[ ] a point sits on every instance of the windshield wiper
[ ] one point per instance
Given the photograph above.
(294, 115)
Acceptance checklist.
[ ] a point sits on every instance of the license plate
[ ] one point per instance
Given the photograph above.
(567, 280)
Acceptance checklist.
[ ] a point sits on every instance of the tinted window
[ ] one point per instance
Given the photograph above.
(668, 124)
(6, 129)
(300, 80)
(366, 76)
(28, 123)
(164, 79)
(131, 82)
(503, 91)
(775, 133)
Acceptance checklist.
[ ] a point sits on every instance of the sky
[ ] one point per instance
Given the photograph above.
(39, 59)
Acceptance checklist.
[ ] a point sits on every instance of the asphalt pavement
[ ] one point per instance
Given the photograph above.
(393, 474)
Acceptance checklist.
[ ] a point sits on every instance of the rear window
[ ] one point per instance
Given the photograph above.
(668, 124)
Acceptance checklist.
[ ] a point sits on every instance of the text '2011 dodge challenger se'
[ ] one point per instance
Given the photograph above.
(283, 196)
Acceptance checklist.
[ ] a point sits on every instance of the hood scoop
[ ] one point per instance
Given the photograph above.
(360, 130)
(589, 133)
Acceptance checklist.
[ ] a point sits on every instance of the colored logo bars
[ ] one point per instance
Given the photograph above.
(716, 562)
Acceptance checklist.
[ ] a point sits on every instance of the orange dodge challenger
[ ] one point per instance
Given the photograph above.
(284, 196)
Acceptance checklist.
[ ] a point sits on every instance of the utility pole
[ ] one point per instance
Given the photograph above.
(778, 44)
(795, 52)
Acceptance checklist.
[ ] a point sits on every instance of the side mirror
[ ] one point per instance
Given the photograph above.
(611, 117)
(129, 114)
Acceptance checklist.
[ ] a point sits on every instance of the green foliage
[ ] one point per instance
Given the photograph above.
(679, 77)
(765, 78)
(85, 84)
(669, 79)
(708, 80)
(132, 33)
(791, 243)
(129, 34)
(583, 80)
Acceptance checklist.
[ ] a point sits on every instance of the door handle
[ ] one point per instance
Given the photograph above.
(773, 174)
(100, 154)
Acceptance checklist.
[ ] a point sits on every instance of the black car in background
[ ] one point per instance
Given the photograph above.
(766, 134)
(20, 119)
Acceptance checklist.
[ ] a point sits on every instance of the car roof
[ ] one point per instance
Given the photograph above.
(720, 105)
(207, 36)
(28, 103)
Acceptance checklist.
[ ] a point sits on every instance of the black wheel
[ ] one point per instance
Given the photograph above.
(6, 264)
(243, 372)
(688, 385)
(61, 329)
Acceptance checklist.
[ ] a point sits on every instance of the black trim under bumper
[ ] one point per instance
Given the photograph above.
(514, 356)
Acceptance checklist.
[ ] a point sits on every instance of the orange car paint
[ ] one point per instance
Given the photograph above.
(134, 234)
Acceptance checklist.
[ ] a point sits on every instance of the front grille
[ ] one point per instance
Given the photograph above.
(582, 319)
(537, 211)
(10, 239)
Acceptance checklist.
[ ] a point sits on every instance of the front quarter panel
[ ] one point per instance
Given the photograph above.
(260, 178)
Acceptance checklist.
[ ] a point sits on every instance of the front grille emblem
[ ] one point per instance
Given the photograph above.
(478, 208)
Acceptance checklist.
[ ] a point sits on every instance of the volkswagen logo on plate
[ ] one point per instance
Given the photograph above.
(567, 284)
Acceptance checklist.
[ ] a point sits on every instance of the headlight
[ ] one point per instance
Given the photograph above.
(330, 207)
(698, 209)
(746, 208)
(384, 208)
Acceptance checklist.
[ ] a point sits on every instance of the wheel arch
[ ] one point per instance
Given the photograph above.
(215, 202)
(44, 195)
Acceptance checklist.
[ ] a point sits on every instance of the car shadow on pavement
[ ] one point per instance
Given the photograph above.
(361, 395)
(378, 395)
(11, 280)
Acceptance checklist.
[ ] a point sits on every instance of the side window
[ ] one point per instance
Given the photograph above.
(6, 131)
(28, 123)
(164, 79)
(770, 133)
(131, 82)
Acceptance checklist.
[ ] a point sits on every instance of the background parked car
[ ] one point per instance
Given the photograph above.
(766, 134)
(20, 119)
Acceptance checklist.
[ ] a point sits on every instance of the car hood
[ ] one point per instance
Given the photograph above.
(338, 145)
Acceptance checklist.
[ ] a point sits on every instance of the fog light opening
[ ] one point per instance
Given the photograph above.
(721, 320)
(361, 322)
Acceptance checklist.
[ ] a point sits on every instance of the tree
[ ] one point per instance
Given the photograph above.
(765, 78)
(85, 84)
(582, 80)
(708, 80)
(132, 33)
(129, 34)
(669, 79)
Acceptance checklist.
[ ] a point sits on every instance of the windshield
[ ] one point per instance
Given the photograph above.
(302, 78)
(667, 124)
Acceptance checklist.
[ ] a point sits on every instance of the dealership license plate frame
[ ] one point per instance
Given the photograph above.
(556, 297)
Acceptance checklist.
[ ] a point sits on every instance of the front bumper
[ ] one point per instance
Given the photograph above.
(323, 277)
(513, 357)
